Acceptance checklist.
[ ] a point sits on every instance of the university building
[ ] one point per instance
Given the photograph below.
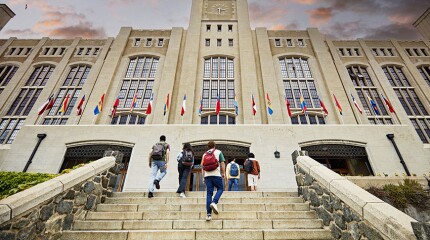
(367, 101)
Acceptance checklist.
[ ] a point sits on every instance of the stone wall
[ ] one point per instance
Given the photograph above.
(348, 210)
(45, 210)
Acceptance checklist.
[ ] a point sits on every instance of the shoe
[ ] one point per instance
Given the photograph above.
(182, 195)
(214, 208)
(157, 184)
(208, 217)
(150, 195)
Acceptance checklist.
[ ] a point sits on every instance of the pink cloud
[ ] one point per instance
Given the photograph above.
(320, 16)
(264, 14)
(305, 2)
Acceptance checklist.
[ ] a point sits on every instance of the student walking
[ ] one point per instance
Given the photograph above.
(213, 172)
(233, 175)
(185, 163)
(253, 169)
(158, 160)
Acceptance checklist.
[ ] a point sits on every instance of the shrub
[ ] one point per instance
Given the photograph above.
(13, 182)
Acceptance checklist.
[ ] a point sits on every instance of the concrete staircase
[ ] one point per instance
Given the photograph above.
(243, 215)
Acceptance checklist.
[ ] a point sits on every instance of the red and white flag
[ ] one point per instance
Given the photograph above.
(183, 110)
(79, 110)
(149, 108)
(356, 104)
(288, 104)
(254, 107)
(114, 107)
(390, 107)
(46, 105)
(323, 107)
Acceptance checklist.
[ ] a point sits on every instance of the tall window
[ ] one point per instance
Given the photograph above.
(71, 87)
(424, 70)
(218, 79)
(23, 103)
(139, 81)
(410, 101)
(365, 88)
(298, 81)
(6, 74)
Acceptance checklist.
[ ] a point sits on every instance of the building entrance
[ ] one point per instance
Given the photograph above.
(230, 151)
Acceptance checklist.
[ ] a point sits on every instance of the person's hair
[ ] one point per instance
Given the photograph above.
(251, 155)
(187, 147)
(234, 160)
(162, 138)
(211, 144)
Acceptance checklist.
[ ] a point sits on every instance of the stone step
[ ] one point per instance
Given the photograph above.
(198, 224)
(198, 234)
(194, 200)
(190, 207)
(203, 194)
(195, 215)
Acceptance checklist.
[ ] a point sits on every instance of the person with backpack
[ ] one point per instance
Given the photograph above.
(233, 175)
(158, 160)
(185, 163)
(213, 172)
(253, 169)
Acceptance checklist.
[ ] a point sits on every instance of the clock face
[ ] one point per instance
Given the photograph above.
(219, 9)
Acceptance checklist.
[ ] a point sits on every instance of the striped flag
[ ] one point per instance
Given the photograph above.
(269, 105)
(374, 106)
(390, 107)
(254, 107)
(323, 107)
(133, 103)
(79, 110)
(201, 106)
(46, 105)
(236, 106)
(166, 105)
(183, 109)
(149, 108)
(356, 104)
(303, 105)
(218, 105)
(99, 106)
(288, 104)
(65, 104)
(337, 105)
(115, 107)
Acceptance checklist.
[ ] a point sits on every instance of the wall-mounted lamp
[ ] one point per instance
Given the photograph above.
(277, 154)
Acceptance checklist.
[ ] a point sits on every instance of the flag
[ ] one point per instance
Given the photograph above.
(373, 104)
(218, 105)
(149, 108)
(26, 6)
(65, 104)
(338, 105)
(99, 106)
(201, 106)
(269, 105)
(133, 103)
(254, 107)
(287, 103)
(183, 109)
(236, 106)
(390, 107)
(356, 104)
(303, 105)
(46, 105)
(114, 107)
(79, 109)
(323, 107)
(166, 105)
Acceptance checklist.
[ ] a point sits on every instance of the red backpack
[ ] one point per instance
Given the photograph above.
(210, 162)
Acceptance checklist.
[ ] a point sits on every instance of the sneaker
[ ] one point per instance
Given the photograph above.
(150, 195)
(157, 184)
(208, 217)
(214, 208)
(182, 195)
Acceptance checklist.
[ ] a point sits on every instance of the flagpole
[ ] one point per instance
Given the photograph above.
(94, 119)
(355, 109)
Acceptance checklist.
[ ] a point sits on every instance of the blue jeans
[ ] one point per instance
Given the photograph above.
(233, 182)
(155, 166)
(211, 182)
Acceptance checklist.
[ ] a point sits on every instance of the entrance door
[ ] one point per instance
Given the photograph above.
(230, 152)
(84, 154)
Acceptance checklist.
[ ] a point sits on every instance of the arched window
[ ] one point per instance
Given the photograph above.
(221, 119)
(218, 79)
(128, 119)
(298, 81)
(70, 89)
(425, 72)
(6, 74)
(410, 101)
(139, 81)
(365, 89)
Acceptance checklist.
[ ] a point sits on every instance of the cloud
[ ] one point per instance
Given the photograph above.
(291, 26)
(305, 2)
(83, 29)
(320, 16)
(393, 31)
(266, 14)
(24, 32)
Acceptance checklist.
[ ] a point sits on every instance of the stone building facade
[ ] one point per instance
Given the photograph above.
(218, 57)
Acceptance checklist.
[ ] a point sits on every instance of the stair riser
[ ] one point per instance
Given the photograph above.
(203, 194)
(163, 200)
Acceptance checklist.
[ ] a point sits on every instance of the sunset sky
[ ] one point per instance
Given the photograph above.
(340, 19)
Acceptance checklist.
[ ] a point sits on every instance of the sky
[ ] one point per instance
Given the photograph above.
(338, 19)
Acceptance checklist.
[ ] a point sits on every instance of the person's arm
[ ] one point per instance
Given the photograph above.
(149, 158)
(223, 169)
(228, 171)
(258, 168)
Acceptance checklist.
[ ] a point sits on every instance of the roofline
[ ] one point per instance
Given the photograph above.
(7, 10)
(421, 18)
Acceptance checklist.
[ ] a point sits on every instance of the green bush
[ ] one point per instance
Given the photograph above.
(13, 182)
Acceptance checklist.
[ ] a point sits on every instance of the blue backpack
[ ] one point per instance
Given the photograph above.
(234, 170)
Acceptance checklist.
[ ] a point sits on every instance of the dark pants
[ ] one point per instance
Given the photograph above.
(233, 183)
(211, 183)
(183, 177)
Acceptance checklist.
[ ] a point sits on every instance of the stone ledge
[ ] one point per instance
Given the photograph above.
(389, 220)
(324, 177)
(306, 163)
(75, 177)
(5, 213)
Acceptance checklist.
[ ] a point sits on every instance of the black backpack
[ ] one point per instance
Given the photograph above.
(249, 166)
(158, 151)
(187, 158)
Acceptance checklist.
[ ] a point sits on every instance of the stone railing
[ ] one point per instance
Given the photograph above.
(348, 210)
(45, 210)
